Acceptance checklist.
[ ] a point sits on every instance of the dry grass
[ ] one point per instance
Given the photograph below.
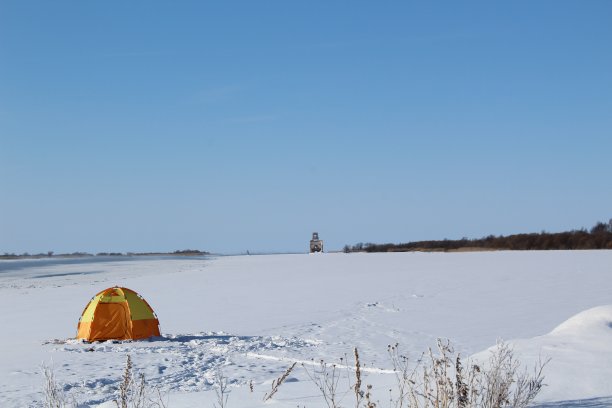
(221, 389)
(53, 392)
(327, 378)
(440, 378)
(357, 387)
(134, 392)
(277, 383)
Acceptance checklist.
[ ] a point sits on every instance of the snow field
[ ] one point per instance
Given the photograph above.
(252, 316)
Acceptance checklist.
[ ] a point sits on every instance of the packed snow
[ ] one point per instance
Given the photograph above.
(253, 316)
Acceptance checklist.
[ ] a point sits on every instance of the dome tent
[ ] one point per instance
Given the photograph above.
(117, 314)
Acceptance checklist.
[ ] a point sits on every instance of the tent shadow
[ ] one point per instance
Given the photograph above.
(179, 338)
(186, 338)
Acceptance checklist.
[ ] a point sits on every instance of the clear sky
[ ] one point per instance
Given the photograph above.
(234, 126)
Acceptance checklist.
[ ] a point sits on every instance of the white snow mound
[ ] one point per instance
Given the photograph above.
(580, 353)
(589, 323)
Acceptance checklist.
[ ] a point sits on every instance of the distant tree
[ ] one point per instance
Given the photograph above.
(599, 228)
(190, 252)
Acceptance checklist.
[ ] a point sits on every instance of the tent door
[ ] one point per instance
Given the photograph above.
(110, 322)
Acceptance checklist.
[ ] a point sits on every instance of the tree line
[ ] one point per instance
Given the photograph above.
(598, 237)
(26, 255)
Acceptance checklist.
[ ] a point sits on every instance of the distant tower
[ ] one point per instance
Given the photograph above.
(316, 245)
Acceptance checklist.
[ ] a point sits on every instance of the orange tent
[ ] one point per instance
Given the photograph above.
(117, 314)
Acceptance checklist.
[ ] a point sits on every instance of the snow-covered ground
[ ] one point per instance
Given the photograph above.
(252, 316)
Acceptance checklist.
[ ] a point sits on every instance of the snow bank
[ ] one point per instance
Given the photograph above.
(580, 352)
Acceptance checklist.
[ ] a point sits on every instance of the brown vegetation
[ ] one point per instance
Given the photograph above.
(598, 237)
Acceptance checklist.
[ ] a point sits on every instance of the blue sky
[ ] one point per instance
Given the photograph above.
(240, 126)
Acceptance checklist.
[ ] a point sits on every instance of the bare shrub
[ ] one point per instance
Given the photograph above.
(357, 387)
(55, 397)
(134, 392)
(277, 382)
(503, 385)
(405, 376)
(221, 391)
(326, 377)
(368, 398)
(440, 380)
(528, 387)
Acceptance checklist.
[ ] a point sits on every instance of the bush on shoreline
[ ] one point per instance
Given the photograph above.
(598, 237)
